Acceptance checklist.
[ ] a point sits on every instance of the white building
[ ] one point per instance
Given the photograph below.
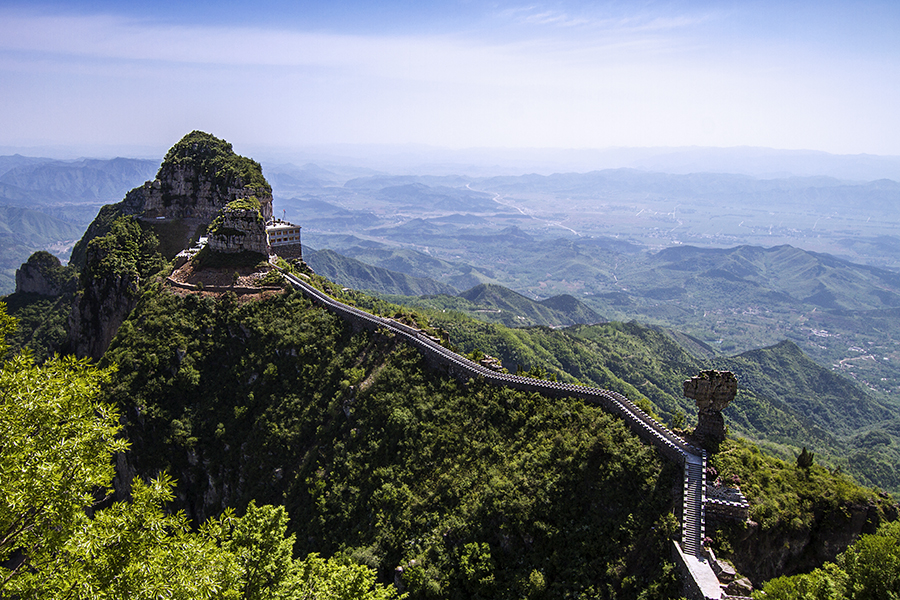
(284, 239)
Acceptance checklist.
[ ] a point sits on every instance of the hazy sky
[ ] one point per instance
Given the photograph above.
(816, 75)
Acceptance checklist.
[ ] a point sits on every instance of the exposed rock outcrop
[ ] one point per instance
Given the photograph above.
(44, 274)
(111, 288)
(239, 228)
(98, 312)
(712, 391)
(199, 176)
(762, 554)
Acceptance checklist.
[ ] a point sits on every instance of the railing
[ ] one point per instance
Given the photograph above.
(646, 427)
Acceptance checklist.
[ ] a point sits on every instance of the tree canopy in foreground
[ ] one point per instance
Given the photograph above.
(56, 469)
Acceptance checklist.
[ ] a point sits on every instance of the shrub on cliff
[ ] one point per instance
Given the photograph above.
(215, 158)
(867, 570)
(128, 251)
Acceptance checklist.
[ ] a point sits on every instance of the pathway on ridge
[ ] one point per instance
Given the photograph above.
(646, 427)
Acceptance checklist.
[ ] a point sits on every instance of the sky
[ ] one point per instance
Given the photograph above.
(456, 74)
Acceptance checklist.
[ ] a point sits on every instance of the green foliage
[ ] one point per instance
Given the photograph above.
(248, 203)
(272, 278)
(7, 326)
(133, 550)
(56, 444)
(867, 570)
(262, 552)
(825, 399)
(24, 231)
(215, 158)
(339, 578)
(127, 252)
(41, 324)
(55, 460)
(784, 497)
(470, 489)
(100, 226)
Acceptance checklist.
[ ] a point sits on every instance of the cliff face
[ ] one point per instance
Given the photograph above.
(43, 274)
(199, 176)
(98, 312)
(116, 265)
(239, 228)
(182, 191)
(764, 554)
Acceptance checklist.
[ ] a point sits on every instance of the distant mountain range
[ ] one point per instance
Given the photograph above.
(358, 275)
(486, 302)
(86, 180)
(46, 204)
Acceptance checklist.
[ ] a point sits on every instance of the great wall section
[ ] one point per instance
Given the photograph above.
(700, 581)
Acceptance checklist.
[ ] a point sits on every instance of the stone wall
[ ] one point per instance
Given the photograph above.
(288, 251)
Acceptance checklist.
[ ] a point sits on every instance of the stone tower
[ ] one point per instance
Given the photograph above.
(712, 391)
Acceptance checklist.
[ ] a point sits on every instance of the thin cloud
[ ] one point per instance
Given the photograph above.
(640, 21)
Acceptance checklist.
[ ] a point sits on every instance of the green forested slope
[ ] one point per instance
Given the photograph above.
(358, 275)
(785, 401)
(497, 304)
(476, 492)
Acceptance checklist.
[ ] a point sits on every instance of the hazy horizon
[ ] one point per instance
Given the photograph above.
(459, 75)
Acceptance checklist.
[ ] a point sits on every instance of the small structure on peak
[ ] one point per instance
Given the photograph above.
(284, 239)
(712, 391)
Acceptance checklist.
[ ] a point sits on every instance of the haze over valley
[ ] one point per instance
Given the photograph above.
(450, 300)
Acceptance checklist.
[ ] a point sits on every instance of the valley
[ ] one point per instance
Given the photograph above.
(247, 391)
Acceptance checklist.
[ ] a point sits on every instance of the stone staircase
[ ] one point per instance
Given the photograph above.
(692, 531)
(700, 579)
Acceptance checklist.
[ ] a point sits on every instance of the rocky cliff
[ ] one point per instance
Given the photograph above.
(126, 242)
(198, 177)
(762, 554)
(116, 266)
(239, 227)
(43, 274)
(98, 312)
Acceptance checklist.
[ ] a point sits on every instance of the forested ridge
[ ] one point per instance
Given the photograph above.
(471, 489)
(258, 446)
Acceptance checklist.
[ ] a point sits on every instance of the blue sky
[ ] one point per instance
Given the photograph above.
(458, 74)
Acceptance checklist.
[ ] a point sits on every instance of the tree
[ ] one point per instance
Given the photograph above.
(135, 550)
(56, 445)
(55, 453)
(805, 459)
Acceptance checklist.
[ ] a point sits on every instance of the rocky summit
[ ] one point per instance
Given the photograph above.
(198, 177)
